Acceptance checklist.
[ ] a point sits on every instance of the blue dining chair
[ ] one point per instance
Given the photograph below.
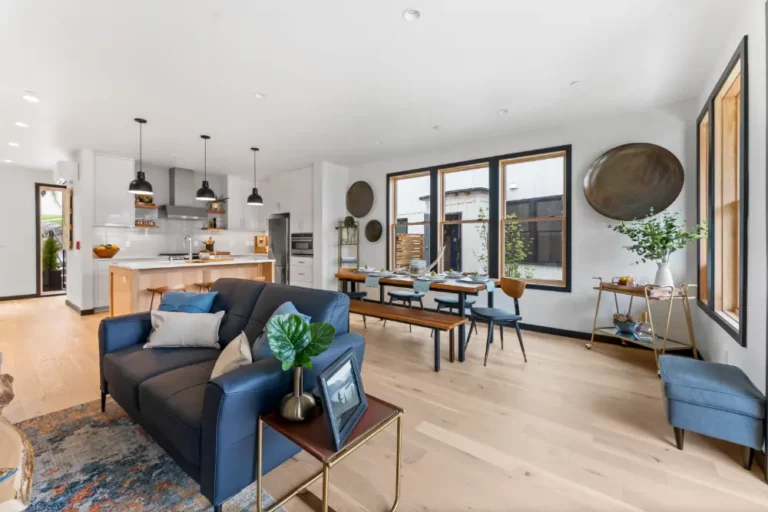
(496, 316)
(407, 298)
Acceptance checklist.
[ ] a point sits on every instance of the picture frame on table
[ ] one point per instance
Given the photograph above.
(342, 396)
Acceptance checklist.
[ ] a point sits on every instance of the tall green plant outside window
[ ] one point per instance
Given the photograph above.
(51, 248)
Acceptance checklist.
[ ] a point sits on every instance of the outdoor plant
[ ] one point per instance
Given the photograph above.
(294, 341)
(516, 248)
(656, 237)
(51, 250)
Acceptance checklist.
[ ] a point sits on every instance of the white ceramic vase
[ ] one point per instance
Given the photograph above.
(663, 275)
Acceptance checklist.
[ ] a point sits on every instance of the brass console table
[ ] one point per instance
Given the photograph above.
(314, 437)
(650, 293)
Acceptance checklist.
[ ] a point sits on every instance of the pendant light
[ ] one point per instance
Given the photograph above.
(140, 186)
(205, 193)
(255, 199)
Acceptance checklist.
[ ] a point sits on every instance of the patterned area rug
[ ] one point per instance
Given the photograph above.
(86, 460)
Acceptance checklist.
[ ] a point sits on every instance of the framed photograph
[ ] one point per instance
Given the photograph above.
(342, 395)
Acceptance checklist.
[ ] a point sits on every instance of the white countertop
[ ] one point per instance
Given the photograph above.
(165, 264)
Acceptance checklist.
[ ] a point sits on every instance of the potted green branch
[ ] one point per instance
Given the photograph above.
(656, 237)
(51, 270)
(294, 342)
(217, 205)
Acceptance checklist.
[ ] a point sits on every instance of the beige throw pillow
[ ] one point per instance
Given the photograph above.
(234, 355)
(172, 329)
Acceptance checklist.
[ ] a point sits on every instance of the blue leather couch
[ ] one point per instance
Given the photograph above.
(209, 426)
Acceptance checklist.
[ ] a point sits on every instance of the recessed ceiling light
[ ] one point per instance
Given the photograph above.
(411, 15)
(13, 144)
(259, 95)
(8, 161)
(30, 97)
(21, 125)
(502, 111)
(379, 142)
(575, 82)
(436, 127)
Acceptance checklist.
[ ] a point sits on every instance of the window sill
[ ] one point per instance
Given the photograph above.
(727, 324)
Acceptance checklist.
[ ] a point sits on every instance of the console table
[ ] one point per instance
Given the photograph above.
(314, 437)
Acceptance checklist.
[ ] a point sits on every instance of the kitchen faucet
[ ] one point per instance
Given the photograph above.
(188, 238)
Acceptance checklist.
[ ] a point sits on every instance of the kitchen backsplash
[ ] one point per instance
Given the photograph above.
(169, 237)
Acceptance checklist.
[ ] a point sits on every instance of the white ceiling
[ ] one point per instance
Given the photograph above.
(339, 75)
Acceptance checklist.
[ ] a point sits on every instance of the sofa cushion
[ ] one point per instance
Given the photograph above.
(172, 403)
(712, 385)
(187, 302)
(237, 297)
(319, 305)
(125, 370)
(185, 330)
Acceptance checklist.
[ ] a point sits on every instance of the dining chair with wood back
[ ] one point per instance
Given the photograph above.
(513, 288)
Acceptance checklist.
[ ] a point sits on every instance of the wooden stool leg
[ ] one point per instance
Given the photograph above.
(679, 437)
(365, 325)
(152, 301)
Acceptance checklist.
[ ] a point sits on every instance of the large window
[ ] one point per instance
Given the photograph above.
(533, 219)
(505, 215)
(464, 205)
(409, 196)
(722, 182)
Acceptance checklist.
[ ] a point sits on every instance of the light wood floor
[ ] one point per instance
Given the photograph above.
(571, 430)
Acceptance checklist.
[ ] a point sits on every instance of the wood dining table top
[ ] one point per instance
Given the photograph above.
(450, 285)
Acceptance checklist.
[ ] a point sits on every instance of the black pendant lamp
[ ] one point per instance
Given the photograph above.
(205, 193)
(255, 199)
(140, 186)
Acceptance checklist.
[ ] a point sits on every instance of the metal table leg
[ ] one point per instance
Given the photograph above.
(437, 350)
(462, 329)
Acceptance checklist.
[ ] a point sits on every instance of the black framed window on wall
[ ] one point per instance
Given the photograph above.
(503, 215)
(722, 201)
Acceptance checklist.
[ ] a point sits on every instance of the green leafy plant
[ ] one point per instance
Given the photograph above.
(51, 250)
(656, 237)
(517, 248)
(294, 342)
(349, 222)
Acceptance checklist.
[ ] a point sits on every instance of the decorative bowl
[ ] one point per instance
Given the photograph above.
(478, 278)
(454, 275)
(626, 327)
(103, 252)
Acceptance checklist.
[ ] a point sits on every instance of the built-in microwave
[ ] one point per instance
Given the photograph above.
(301, 244)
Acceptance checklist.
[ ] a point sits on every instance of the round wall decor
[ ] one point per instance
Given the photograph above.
(627, 181)
(373, 231)
(359, 199)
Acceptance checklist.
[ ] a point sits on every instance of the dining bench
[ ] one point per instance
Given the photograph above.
(436, 321)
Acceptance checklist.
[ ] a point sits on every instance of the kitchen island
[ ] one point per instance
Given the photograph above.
(128, 281)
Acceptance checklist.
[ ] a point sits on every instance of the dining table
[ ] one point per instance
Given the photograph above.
(461, 287)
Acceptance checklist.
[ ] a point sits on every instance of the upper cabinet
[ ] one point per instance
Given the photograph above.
(301, 200)
(241, 215)
(113, 204)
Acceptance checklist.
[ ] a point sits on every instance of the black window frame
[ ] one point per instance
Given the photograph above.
(494, 207)
(740, 334)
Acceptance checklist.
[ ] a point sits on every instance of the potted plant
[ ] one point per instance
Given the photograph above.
(217, 204)
(50, 264)
(349, 230)
(656, 237)
(294, 342)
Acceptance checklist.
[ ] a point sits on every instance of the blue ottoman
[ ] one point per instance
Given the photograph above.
(717, 400)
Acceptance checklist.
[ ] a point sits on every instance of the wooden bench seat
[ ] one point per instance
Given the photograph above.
(437, 321)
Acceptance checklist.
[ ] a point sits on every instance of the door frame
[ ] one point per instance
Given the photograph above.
(38, 265)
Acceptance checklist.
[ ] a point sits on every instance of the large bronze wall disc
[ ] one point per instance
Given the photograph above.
(627, 181)
(359, 199)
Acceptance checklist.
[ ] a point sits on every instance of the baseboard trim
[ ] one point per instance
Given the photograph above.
(18, 297)
(81, 312)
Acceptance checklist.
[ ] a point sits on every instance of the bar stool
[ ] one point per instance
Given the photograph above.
(160, 290)
(205, 285)
(358, 296)
(496, 316)
(405, 298)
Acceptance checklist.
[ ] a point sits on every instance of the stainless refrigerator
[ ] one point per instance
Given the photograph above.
(279, 246)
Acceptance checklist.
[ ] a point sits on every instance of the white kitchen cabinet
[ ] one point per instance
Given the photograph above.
(113, 204)
(241, 215)
(302, 271)
(101, 283)
(301, 200)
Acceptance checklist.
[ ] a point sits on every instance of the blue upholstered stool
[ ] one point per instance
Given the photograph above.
(717, 400)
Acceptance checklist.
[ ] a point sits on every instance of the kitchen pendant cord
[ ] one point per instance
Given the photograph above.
(141, 168)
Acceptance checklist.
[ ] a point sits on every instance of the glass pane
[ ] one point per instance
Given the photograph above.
(52, 255)
(535, 188)
(412, 198)
(534, 250)
(466, 247)
(411, 243)
(465, 194)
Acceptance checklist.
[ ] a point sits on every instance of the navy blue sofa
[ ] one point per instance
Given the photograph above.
(209, 426)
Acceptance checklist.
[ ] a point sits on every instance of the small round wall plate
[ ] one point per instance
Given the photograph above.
(627, 181)
(373, 231)
(359, 199)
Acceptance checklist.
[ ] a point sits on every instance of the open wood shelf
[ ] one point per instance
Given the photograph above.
(214, 229)
(147, 227)
(216, 212)
(147, 206)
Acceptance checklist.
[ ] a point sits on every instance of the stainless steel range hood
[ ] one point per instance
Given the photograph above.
(183, 204)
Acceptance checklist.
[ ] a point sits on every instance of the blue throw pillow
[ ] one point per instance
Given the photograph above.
(260, 349)
(187, 302)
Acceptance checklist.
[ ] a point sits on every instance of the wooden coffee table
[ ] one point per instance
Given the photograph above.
(314, 437)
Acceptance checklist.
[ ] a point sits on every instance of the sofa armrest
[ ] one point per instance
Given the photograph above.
(123, 331)
(232, 405)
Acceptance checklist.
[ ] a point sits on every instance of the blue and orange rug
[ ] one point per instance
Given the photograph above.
(86, 460)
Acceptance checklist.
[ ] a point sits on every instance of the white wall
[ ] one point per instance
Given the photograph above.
(329, 208)
(18, 250)
(80, 261)
(715, 344)
(596, 250)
